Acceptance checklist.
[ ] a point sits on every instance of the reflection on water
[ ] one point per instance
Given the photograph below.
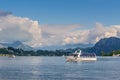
(56, 68)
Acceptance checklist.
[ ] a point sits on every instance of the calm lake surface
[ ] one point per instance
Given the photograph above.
(56, 68)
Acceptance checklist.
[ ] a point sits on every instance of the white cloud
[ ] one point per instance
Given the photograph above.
(101, 31)
(61, 34)
(78, 36)
(56, 34)
(13, 28)
(59, 29)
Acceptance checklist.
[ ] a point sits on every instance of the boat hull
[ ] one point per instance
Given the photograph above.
(78, 59)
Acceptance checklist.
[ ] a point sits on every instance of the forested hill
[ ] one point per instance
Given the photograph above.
(106, 45)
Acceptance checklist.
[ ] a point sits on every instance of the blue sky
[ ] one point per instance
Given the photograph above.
(85, 12)
(58, 22)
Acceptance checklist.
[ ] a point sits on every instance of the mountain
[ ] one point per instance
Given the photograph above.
(4, 45)
(79, 45)
(16, 45)
(67, 46)
(1, 46)
(106, 45)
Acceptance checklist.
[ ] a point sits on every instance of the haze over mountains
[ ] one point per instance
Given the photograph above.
(16, 45)
(104, 45)
(72, 46)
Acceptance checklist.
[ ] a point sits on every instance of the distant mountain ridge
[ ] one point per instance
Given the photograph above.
(67, 46)
(16, 45)
(106, 45)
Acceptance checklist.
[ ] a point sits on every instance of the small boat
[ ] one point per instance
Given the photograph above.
(77, 56)
(11, 56)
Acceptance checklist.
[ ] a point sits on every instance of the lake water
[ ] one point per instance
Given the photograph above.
(56, 68)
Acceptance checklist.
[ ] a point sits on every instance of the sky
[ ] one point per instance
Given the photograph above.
(58, 22)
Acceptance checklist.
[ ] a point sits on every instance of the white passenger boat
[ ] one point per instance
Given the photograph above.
(78, 56)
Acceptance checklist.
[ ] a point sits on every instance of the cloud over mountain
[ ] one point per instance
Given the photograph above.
(61, 34)
(101, 31)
